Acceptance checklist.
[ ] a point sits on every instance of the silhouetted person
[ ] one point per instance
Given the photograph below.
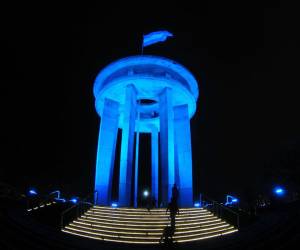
(175, 192)
(153, 202)
(149, 203)
(167, 235)
(173, 208)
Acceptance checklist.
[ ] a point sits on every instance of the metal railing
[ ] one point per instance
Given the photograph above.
(37, 201)
(221, 211)
(81, 207)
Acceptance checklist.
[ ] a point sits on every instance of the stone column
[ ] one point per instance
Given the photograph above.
(127, 146)
(154, 163)
(166, 144)
(183, 155)
(106, 151)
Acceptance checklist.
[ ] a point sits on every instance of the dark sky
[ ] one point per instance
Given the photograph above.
(246, 59)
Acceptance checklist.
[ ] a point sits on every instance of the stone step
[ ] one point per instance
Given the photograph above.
(151, 214)
(147, 239)
(149, 229)
(144, 210)
(139, 235)
(146, 217)
(129, 225)
(145, 232)
(148, 222)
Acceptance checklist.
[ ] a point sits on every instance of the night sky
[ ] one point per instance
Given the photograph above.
(245, 58)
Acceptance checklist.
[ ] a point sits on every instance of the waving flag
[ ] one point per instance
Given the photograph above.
(155, 37)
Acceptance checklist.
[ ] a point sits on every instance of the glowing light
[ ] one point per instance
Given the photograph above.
(153, 230)
(144, 210)
(150, 232)
(32, 192)
(146, 193)
(279, 191)
(231, 200)
(197, 204)
(153, 217)
(138, 223)
(114, 204)
(74, 200)
(147, 240)
(137, 230)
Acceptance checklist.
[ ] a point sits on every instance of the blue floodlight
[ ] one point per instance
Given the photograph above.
(197, 204)
(231, 200)
(32, 192)
(279, 191)
(74, 200)
(146, 193)
(114, 204)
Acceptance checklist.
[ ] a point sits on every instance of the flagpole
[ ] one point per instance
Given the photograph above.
(137, 142)
(143, 45)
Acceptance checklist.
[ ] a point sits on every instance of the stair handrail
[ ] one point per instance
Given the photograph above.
(214, 202)
(48, 197)
(78, 206)
(43, 201)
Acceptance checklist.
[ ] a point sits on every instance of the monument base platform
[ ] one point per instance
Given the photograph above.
(142, 226)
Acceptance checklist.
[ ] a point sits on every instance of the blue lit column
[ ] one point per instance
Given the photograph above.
(183, 155)
(167, 144)
(160, 84)
(127, 146)
(154, 163)
(106, 151)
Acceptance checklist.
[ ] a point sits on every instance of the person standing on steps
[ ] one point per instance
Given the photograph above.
(173, 208)
(175, 193)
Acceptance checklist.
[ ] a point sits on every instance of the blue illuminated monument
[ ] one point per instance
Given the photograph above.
(145, 94)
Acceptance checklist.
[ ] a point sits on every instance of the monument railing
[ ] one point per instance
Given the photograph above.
(78, 209)
(40, 201)
(221, 211)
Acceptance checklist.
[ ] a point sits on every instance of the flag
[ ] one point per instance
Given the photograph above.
(155, 37)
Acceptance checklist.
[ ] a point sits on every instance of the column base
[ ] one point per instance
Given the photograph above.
(185, 198)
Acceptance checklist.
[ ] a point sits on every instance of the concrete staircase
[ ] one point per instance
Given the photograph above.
(130, 225)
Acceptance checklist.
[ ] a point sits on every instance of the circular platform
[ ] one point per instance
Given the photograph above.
(150, 75)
